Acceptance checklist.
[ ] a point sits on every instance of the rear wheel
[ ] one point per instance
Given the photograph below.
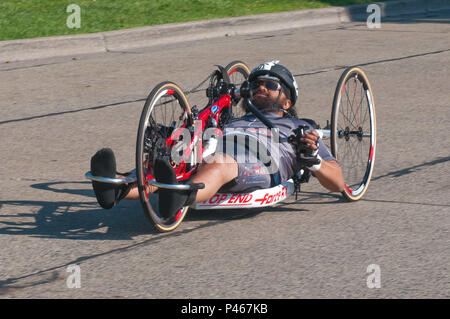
(165, 113)
(353, 131)
(238, 72)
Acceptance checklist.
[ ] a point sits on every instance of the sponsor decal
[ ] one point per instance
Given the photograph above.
(228, 200)
(217, 199)
(272, 198)
(240, 198)
(214, 109)
(266, 65)
(259, 170)
(245, 199)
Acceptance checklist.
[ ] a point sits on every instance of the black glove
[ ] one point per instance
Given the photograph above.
(306, 156)
(311, 159)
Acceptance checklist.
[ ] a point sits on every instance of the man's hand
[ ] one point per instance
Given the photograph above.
(311, 139)
(329, 173)
(312, 159)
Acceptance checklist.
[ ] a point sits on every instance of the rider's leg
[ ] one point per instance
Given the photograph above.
(214, 173)
(133, 194)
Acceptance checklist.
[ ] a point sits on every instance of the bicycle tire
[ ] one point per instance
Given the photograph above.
(151, 144)
(238, 72)
(353, 139)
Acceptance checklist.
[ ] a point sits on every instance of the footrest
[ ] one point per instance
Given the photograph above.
(153, 182)
(118, 181)
(180, 187)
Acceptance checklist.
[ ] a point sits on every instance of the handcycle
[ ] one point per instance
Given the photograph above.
(167, 116)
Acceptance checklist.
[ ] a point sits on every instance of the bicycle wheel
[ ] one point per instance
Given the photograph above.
(238, 72)
(353, 131)
(166, 110)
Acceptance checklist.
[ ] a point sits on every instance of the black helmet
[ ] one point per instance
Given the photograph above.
(273, 70)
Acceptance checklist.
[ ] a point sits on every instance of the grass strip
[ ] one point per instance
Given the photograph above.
(21, 19)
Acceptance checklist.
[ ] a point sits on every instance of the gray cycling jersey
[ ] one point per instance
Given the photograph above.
(262, 141)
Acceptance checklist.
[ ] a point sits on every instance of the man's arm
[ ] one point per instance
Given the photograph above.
(330, 176)
(330, 173)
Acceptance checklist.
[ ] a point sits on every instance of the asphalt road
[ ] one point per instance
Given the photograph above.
(55, 113)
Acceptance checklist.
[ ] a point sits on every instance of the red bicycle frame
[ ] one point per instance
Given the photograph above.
(212, 112)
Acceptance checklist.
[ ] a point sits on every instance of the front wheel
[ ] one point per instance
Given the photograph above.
(238, 72)
(166, 110)
(353, 131)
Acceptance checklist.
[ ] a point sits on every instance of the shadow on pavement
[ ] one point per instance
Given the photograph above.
(72, 220)
(85, 220)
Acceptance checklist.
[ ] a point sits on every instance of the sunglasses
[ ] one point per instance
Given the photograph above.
(268, 84)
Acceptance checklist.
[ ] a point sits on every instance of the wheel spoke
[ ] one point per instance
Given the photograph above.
(238, 72)
(353, 131)
(162, 114)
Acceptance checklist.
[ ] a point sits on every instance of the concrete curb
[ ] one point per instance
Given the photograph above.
(28, 49)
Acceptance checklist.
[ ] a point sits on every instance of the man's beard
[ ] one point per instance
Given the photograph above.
(266, 102)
